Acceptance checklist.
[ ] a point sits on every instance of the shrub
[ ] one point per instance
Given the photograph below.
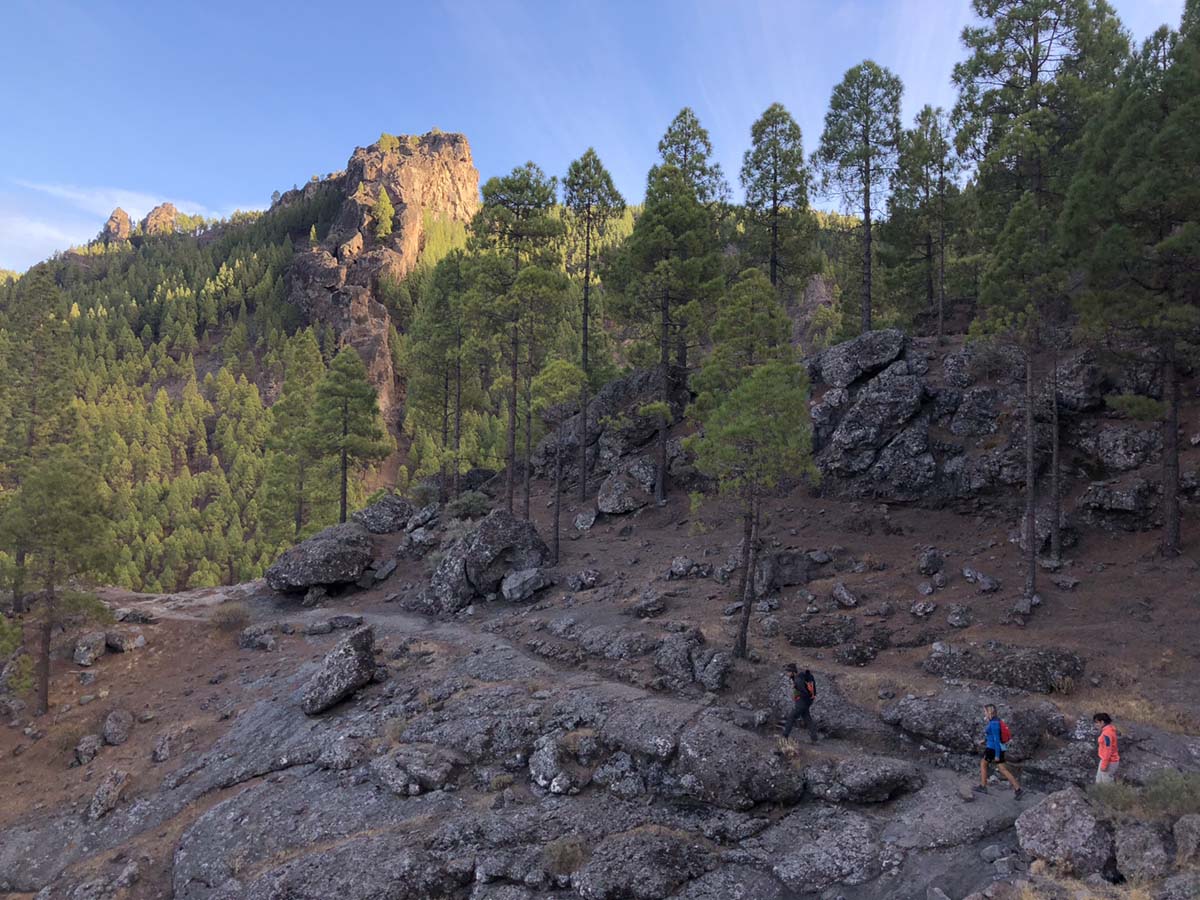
(1166, 795)
(388, 143)
(469, 505)
(564, 855)
(424, 492)
(231, 616)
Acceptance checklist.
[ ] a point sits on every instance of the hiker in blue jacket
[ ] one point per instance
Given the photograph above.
(994, 747)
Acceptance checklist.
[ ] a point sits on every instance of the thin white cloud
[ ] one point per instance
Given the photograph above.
(100, 201)
(25, 240)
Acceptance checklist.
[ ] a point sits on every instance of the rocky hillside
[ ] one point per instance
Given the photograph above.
(336, 282)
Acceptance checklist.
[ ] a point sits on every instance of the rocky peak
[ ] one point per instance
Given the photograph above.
(117, 227)
(160, 220)
(337, 282)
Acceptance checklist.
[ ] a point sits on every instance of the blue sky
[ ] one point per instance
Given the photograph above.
(214, 105)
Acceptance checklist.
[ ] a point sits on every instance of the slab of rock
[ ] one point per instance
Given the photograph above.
(345, 620)
(117, 725)
(954, 720)
(815, 847)
(827, 631)
(345, 669)
(107, 795)
(388, 515)
(338, 555)
(845, 363)
(89, 648)
(867, 779)
(1064, 831)
(644, 864)
(1037, 669)
(520, 586)
(724, 765)
(1141, 856)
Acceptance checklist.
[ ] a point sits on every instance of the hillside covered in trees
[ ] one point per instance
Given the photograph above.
(196, 368)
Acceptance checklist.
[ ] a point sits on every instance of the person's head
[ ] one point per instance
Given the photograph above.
(790, 668)
(1101, 719)
(989, 712)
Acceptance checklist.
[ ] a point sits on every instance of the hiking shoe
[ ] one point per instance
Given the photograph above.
(1018, 794)
(980, 789)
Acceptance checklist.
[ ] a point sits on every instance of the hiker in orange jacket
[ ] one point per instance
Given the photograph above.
(1106, 749)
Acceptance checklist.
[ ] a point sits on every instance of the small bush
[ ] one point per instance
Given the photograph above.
(388, 143)
(469, 505)
(564, 855)
(424, 492)
(231, 616)
(1063, 684)
(1166, 795)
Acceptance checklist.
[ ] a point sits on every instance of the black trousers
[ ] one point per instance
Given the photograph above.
(800, 711)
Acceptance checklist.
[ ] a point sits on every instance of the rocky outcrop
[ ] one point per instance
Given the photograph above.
(1064, 831)
(338, 555)
(953, 721)
(117, 228)
(1040, 669)
(388, 515)
(337, 283)
(160, 220)
(475, 566)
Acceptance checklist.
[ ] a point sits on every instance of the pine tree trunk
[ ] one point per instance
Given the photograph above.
(583, 392)
(345, 461)
(744, 560)
(929, 295)
(1030, 481)
(20, 600)
(443, 477)
(557, 487)
(299, 498)
(1055, 484)
(1170, 477)
(526, 474)
(866, 273)
(664, 364)
(43, 662)
(774, 232)
(941, 304)
(458, 415)
(510, 483)
(750, 554)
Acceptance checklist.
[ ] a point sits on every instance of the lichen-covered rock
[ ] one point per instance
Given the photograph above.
(124, 640)
(954, 720)
(620, 494)
(87, 749)
(1064, 831)
(89, 648)
(815, 847)
(521, 585)
(644, 864)
(826, 631)
(867, 779)
(1121, 448)
(107, 795)
(1141, 856)
(880, 411)
(727, 766)
(1187, 840)
(338, 555)
(347, 667)
(117, 725)
(475, 565)
(843, 364)
(388, 515)
(1029, 668)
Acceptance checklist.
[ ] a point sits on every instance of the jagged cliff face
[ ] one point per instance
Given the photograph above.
(337, 281)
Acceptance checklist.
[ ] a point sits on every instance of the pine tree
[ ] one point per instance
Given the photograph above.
(687, 146)
(775, 178)
(859, 148)
(760, 435)
(553, 389)
(1132, 219)
(383, 212)
(592, 201)
(312, 236)
(668, 275)
(59, 519)
(346, 419)
(514, 228)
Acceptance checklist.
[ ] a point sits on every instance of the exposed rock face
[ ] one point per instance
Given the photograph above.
(427, 178)
(117, 227)
(1141, 856)
(337, 555)
(640, 865)
(474, 566)
(107, 795)
(160, 220)
(387, 516)
(1064, 831)
(348, 666)
(871, 779)
(1029, 668)
(842, 365)
(954, 721)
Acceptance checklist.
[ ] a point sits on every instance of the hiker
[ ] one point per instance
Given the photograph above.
(804, 692)
(1106, 749)
(994, 744)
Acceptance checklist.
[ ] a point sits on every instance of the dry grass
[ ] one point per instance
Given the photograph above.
(231, 616)
(564, 855)
(1167, 795)
(1136, 708)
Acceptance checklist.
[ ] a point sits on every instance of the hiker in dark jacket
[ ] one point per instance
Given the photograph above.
(994, 748)
(804, 692)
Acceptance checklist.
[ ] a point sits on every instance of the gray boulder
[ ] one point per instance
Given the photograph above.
(1141, 856)
(1122, 448)
(815, 847)
(781, 569)
(1187, 840)
(620, 494)
(721, 764)
(735, 882)
(519, 586)
(1184, 886)
(107, 795)
(117, 725)
(867, 779)
(1039, 669)
(338, 555)
(827, 631)
(881, 409)
(842, 365)
(1064, 831)
(642, 864)
(387, 515)
(87, 749)
(89, 648)
(954, 721)
(124, 640)
(475, 566)
(347, 667)
(844, 597)
(257, 637)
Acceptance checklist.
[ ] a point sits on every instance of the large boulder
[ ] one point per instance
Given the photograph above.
(842, 365)
(621, 493)
(1039, 669)
(475, 565)
(347, 667)
(117, 725)
(643, 864)
(1121, 448)
(867, 779)
(1141, 856)
(89, 648)
(1064, 831)
(880, 411)
(387, 515)
(107, 795)
(720, 764)
(337, 555)
(815, 847)
(954, 721)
